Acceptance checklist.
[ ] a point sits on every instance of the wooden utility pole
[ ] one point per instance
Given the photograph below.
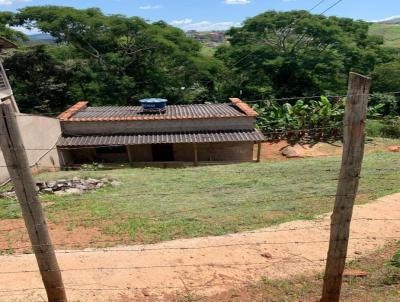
(353, 152)
(25, 188)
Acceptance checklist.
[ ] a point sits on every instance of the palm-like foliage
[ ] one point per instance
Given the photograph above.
(312, 120)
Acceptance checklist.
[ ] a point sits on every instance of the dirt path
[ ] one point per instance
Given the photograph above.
(207, 265)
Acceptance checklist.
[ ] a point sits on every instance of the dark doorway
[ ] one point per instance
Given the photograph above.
(163, 152)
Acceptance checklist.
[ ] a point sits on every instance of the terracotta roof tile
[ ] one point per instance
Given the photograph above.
(244, 107)
(80, 112)
(72, 110)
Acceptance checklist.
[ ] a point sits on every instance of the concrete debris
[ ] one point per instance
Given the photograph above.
(67, 187)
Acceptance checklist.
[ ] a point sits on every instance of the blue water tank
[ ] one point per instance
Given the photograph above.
(153, 104)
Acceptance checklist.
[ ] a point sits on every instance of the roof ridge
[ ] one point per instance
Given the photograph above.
(244, 107)
(72, 110)
(207, 104)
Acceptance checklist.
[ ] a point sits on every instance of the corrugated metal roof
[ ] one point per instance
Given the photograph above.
(173, 111)
(161, 138)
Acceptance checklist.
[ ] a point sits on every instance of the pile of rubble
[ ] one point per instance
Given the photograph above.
(64, 187)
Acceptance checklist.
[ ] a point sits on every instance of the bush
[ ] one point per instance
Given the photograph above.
(384, 105)
(396, 260)
(388, 128)
(311, 121)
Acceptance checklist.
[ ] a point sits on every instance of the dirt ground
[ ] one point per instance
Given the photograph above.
(272, 151)
(17, 241)
(206, 265)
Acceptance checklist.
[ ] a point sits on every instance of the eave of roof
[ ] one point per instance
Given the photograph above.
(161, 138)
(78, 112)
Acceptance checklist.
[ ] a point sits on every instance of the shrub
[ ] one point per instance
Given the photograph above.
(388, 128)
(395, 261)
(316, 120)
(384, 105)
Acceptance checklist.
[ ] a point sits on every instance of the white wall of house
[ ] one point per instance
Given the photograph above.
(41, 133)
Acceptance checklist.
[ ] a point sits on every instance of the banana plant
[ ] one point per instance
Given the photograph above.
(311, 120)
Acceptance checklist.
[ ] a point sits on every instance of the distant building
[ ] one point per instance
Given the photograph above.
(181, 133)
(208, 38)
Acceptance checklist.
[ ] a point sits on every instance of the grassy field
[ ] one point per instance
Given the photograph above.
(162, 204)
(391, 32)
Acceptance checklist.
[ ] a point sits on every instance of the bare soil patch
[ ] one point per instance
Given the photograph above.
(204, 266)
(273, 151)
(14, 237)
(368, 279)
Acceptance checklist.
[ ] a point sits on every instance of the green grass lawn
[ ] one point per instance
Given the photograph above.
(391, 32)
(162, 204)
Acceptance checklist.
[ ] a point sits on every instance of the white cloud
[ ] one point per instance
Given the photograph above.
(11, 2)
(26, 31)
(148, 7)
(387, 19)
(188, 24)
(240, 2)
(182, 22)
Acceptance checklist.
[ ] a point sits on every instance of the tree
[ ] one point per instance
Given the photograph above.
(6, 19)
(40, 82)
(117, 59)
(386, 77)
(295, 53)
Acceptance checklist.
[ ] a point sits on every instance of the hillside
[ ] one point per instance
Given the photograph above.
(391, 32)
(393, 20)
(39, 39)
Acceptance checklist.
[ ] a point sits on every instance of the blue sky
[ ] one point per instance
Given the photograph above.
(218, 14)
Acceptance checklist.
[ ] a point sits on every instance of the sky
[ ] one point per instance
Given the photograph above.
(219, 14)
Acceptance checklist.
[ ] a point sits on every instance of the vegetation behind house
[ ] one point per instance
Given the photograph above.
(116, 60)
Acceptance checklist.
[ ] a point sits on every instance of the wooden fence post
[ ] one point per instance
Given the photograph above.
(353, 152)
(25, 188)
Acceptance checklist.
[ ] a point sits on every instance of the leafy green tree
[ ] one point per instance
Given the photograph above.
(117, 59)
(7, 19)
(386, 77)
(295, 53)
(40, 82)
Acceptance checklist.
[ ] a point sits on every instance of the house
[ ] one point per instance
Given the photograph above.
(39, 133)
(177, 133)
